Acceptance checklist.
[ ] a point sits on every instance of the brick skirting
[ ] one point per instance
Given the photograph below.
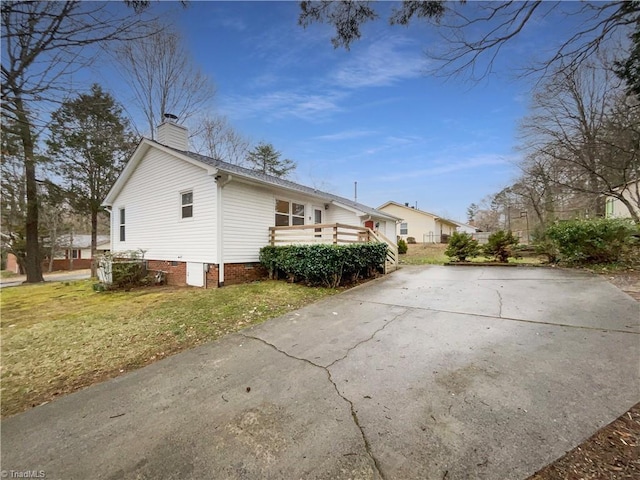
(64, 264)
(234, 273)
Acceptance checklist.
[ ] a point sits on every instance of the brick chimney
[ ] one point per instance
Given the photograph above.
(171, 134)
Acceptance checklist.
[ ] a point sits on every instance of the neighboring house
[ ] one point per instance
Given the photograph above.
(73, 251)
(79, 246)
(423, 226)
(614, 208)
(465, 228)
(203, 221)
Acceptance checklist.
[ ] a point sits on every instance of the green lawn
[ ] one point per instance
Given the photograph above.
(433, 254)
(60, 337)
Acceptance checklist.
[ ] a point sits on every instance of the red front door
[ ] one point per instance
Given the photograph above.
(369, 224)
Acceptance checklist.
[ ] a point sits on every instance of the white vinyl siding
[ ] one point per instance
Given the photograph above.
(249, 211)
(153, 214)
(336, 214)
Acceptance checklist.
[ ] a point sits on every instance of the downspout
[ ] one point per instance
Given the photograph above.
(219, 226)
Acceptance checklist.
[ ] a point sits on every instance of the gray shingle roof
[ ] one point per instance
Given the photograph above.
(281, 182)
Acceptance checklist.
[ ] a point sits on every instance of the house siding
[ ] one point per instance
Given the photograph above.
(249, 211)
(151, 199)
(421, 226)
(619, 209)
(336, 214)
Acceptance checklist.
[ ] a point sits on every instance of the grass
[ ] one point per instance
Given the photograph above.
(7, 274)
(433, 254)
(60, 337)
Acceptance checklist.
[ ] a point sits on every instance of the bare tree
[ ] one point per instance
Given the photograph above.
(163, 77)
(44, 44)
(475, 32)
(584, 124)
(217, 138)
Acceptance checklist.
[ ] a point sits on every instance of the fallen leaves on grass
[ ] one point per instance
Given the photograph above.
(58, 338)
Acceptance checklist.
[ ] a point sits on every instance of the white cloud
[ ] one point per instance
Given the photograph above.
(346, 135)
(444, 167)
(382, 63)
(282, 104)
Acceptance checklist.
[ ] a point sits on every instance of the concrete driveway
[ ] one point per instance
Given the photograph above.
(429, 373)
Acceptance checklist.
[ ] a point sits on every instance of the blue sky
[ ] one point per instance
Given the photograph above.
(371, 114)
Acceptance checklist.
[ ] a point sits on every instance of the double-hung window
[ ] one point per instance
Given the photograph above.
(186, 201)
(289, 213)
(122, 225)
(404, 229)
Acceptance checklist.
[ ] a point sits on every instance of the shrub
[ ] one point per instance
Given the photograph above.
(593, 241)
(411, 240)
(328, 265)
(402, 247)
(543, 245)
(500, 245)
(461, 246)
(122, 270)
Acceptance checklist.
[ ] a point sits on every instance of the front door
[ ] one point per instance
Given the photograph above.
(369, 224)
(317, 220)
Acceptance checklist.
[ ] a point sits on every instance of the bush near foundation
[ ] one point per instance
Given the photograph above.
(402, 247)
(593, 241)
(461, 246)
(327, 265)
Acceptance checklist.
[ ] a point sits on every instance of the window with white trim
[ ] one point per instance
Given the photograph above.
(186, 204)
(404, 229)
(122, 225)
(289, 213)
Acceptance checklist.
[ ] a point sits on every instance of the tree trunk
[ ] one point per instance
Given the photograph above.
(94, 242)
(33, 267)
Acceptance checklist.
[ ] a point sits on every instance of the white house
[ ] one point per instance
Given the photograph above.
(465, 228)
(204, 221)
(423, 226)
(614, 208)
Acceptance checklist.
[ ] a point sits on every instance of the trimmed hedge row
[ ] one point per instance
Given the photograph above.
(327, 265)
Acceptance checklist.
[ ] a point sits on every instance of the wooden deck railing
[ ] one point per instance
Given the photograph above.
(333, 233)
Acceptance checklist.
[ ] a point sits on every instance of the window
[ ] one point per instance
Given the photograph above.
(122, 232)
(75, 254)
(609, 208)
(187, 204)
(289, 213)
(404, 229)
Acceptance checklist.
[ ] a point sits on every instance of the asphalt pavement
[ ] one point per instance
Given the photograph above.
(429, 373)
(48, 277)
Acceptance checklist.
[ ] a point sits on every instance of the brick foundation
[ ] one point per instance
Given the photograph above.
(234, 273)
(176, 274)
(63, 264)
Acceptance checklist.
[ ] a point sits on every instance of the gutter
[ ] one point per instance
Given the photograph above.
(220, 184)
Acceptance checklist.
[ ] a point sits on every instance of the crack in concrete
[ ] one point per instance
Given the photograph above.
(483, 315)
(499, 303)
(368, 339)
(354, 415)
